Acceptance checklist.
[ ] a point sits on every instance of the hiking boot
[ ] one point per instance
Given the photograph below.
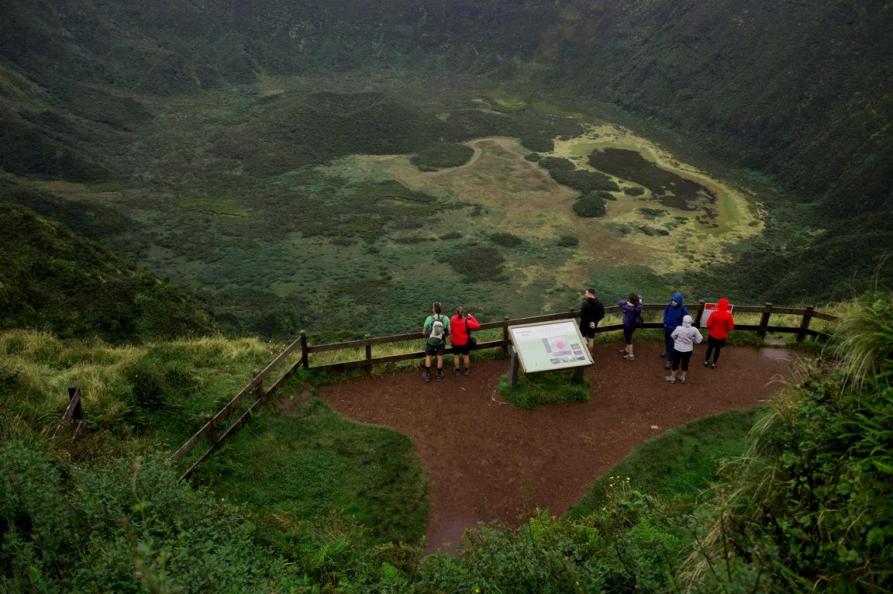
(706, 363)
(713, 366)
(682, 380)
(629, 357)
(671, 379)
(667, 365)
(456, 371)
(426, 375)
(467, 371)
(440, 375)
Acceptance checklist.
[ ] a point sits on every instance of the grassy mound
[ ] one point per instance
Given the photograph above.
(294, 466)
(545, 388)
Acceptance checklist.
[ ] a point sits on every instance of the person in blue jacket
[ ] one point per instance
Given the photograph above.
(673, 314)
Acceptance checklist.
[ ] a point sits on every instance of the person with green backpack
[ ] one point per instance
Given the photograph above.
(436, 329)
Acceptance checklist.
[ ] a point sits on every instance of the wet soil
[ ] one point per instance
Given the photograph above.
(487, 460)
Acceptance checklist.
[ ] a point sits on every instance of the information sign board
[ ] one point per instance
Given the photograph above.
(549, 346)
(709, 308)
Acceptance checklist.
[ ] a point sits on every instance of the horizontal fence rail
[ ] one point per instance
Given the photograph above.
(255, 393)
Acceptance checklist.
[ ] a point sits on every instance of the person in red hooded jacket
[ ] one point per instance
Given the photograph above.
(719, 324)
(461, 326)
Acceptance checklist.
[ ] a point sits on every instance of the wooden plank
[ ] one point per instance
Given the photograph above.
(804, 324)
(279, 358)
(227, 435)
(221, 414)
(823, 316)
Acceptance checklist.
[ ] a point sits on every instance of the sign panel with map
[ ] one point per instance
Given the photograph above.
(549, 346)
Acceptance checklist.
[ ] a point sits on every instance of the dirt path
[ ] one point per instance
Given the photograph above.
(487, 460)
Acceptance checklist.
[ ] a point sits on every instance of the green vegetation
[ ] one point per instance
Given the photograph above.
(293, 464)
(442, 155)
(685, 511)
(564, 172)
(544, 388)
(590, 205)
(679, 464)
(52, 279)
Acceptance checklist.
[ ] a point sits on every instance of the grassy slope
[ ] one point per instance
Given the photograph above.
(151, 397)
(54, 280)
(681, 463)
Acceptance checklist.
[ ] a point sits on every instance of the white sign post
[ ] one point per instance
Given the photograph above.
(548, 346)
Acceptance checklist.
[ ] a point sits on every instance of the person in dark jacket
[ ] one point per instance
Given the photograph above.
(632, 319)
(591, 313)
(673, 314)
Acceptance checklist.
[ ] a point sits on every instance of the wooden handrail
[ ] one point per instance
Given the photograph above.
(255, 386)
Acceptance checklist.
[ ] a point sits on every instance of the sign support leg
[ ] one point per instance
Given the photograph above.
(513, 374)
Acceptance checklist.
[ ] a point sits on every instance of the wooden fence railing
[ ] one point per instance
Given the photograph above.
(256, 394)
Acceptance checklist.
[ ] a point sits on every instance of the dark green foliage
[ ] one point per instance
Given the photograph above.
(629, 546)
(123, 527)
(671, 189)
(442, 155)
(94, 221)
(507, 240)
(477, 263)
(826, 515)
(590, 205)
(568, 241)
(634, 191)
(564, 172)
(653, 213)
(52, 279)
(550, 387)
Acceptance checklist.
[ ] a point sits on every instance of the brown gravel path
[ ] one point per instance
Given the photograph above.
(487, 460)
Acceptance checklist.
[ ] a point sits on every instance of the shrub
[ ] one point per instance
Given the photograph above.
(508, 240)
(550, 387)
(442, 155)
(590, 205)
(568, 241)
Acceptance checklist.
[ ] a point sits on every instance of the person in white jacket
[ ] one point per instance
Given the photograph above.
(684, 337)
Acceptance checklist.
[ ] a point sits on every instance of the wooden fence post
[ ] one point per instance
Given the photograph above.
(505, 335)
(804, 325)
(305, 356)
(764, 319)
(368, 354)
(78, 413)
(700, 313)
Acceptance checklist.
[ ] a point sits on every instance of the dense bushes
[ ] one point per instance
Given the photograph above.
(590, 205)
(121, 528)
(564, 172)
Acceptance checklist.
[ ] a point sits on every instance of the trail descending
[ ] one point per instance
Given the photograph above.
(487, 460)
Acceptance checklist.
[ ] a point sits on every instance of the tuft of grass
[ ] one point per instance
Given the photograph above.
(545, 388)
(863, 339)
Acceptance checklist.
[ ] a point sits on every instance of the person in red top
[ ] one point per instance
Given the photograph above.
(461, 325)
(719, 324)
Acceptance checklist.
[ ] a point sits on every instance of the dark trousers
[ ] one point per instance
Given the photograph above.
(680, 358)
(668, 344)
(714, 345)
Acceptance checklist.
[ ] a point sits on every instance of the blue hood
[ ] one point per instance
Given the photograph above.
(673, 315)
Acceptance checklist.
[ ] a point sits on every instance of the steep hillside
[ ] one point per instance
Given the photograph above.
(792, 95)
(52, 279)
